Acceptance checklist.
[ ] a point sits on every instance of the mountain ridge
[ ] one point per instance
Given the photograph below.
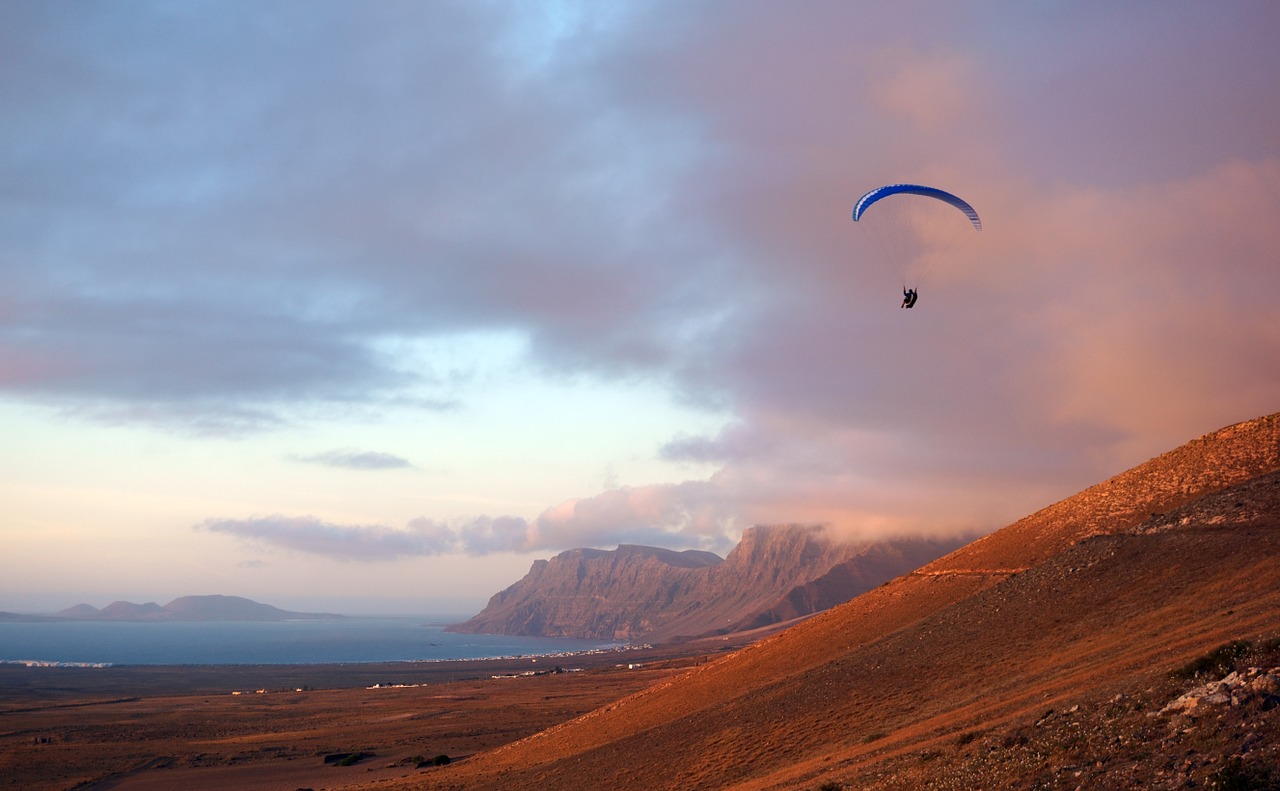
(776, 573)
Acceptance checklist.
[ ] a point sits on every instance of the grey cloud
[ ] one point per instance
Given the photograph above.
(356, 460)
(204, 417)
(735, 442)
(696, 449)
(421, 537)
(682, 515)
(342, 542)
(484, 535)
(190, 231)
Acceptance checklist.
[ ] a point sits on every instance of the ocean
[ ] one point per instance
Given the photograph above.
(357, 639)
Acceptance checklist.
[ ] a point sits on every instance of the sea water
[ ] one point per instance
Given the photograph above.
(396, 639)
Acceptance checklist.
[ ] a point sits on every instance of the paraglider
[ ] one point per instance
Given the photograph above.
(914, 225)
(880, 193)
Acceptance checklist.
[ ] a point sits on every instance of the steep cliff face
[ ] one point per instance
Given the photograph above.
(861, 568)
(592, 593)
(634, 593)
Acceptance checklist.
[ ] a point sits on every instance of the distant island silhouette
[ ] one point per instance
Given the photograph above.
(184, 608)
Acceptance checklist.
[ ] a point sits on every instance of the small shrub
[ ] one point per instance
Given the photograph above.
(1236, 776)
(966, 738)
(831, 785)
(440, 760)
(1018, 739)
(1217, 663)
(873, 737)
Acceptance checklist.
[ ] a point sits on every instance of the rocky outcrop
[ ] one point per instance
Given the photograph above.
(1237, 688)
(775, 574)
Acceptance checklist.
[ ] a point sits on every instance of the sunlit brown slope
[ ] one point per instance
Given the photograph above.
(1212, 462)
(1104, 591)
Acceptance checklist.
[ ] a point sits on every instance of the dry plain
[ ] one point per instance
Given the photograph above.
(208, 727)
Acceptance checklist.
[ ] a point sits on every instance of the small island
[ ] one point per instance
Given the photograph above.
(183, 608)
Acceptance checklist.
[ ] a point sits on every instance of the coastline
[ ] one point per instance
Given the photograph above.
(264, 727)
(353, 639)
(21, 684)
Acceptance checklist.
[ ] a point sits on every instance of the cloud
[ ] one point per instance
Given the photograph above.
(233, 244)
(356, 460)
(422, 538)
(932, 91)
(486, 535)
(662, 515)
(692, 514)
(243, 234)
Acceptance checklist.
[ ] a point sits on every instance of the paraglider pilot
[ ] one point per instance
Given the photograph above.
(909, 296)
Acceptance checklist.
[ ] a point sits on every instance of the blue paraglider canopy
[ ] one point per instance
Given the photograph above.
(874, 195)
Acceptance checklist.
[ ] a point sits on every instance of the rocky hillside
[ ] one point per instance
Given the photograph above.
(775, 574)
(1077, 648)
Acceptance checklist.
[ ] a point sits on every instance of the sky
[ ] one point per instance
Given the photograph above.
(366, 306)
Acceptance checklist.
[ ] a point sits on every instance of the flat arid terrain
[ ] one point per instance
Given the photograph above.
(208, 727)
(1126, 637)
